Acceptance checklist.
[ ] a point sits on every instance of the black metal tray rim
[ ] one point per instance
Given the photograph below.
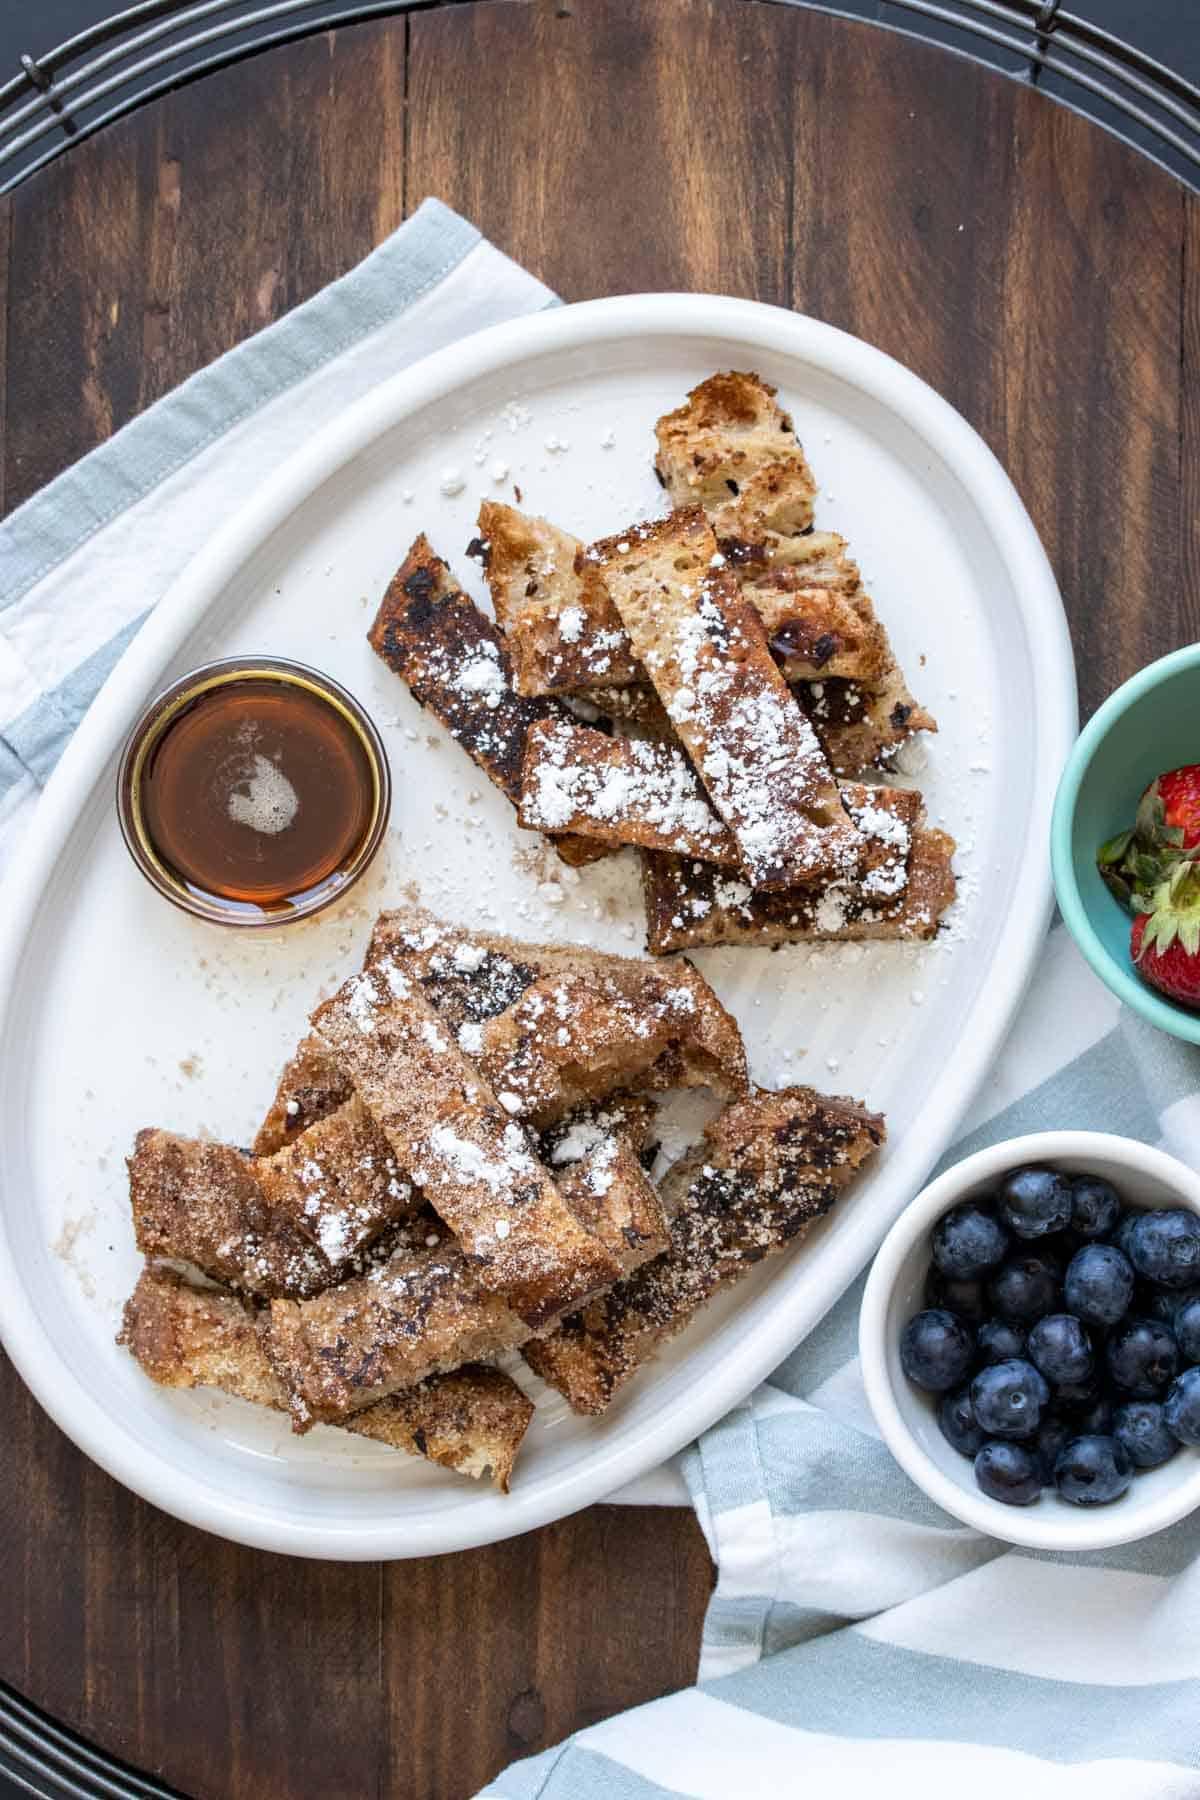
(65, 94)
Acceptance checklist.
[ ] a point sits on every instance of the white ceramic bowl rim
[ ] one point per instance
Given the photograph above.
(1034, 1527)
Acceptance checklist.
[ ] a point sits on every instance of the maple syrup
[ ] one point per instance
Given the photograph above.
(254, 792)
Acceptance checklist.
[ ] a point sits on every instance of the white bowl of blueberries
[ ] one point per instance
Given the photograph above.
(1030, 1340)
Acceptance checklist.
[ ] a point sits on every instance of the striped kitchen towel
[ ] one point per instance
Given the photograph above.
(857, 1638)
(862, 1642)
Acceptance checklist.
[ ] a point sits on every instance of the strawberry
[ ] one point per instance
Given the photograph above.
(1165, 832)
(1179, 792)
(1165, 939)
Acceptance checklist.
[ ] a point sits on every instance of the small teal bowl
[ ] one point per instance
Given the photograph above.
(1149, 725)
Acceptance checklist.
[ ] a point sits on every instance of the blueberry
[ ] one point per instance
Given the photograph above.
(967, 1299)
(1034, 1202)
(1054, 1433)
(1122, 1232)
(1140, 1427)
(1093, 1470)
(1186, 1326)
(1181, 1408)
(1143, 1357)
(1095, 1207)
(1023, 1288)
(959, 1425)
(936, 1350)
(1059, 1346)
(999, 1341)
(1098, 1285)
(1008, 1472)
(967, 1241)
(1008, 1398)
(1164, 1246)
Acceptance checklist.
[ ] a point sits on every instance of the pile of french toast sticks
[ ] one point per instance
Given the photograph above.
(713, 688)
(456, 1168)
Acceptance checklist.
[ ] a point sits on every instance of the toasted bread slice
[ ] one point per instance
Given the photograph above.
(762, 516)
(454, 662)
(449, 1132)
(863, 728)
(310, 1088)
(550, 601)
(202, 1204)
(705, 650)
(338, 1182)
(608, 1189)
(578, 1037)
(770, 1165)
(732, 449)
(818, 620)
(423, 1312)
(836, 657)
(570, 1039)
(906, 885)
(470, 1420)
(185, 1336)
(621, 790)
(471, 977)
(636, 791)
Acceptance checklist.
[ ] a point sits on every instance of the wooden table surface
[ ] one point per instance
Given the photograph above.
(1044, 278)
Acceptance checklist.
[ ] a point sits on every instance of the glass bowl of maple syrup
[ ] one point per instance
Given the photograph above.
(253, 792)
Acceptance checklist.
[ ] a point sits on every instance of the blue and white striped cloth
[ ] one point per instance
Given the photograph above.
(858, 1638)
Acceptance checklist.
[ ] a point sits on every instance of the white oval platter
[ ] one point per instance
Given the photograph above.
(116, 1011)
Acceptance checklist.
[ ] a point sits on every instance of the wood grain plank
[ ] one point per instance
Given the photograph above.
(643, 143)
(1088, 349)
(1189, 424)
(71, 371)
(894, 231)
(1042, 300)
(522, 1643)
(191, 225)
